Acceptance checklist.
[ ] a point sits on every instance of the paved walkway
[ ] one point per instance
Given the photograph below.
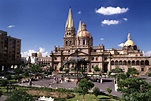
(108, 83)
(3, 98)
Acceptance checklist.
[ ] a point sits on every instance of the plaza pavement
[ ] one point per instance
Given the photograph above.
(3, 98)
(108, 83)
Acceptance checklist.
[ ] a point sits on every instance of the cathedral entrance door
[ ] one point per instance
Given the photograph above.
(105, 68)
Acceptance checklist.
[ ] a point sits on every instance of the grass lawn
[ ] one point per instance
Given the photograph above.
(78, 97)
(91, 97)
(3, 89)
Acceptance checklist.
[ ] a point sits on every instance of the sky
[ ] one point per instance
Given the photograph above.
(40, 24)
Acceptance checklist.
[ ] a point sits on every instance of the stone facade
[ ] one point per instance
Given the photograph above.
(106, 59)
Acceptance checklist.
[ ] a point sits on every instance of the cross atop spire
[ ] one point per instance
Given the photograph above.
(70, 22)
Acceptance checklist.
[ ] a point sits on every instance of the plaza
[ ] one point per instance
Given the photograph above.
(51, 83)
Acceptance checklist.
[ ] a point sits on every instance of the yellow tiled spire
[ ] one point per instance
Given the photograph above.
(70, 22)
(80, 26)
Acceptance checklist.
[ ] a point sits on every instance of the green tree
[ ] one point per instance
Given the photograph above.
(20, 96)
(149, 74)
(134, 89)
(96, 69)
(22, 65)
(132, 72)
(116, 71)
(18, 70)
(61, 68)
(9, 77)
(0, 93)
(96, 91)
(109, 90)
(83, 86)
(67, 71)
(17, 77)
(26, 73)
(35, 69)
(3, 82)
(121, 76)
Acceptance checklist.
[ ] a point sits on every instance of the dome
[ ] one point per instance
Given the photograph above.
(129, 41)
(39, 54)
(82, 32)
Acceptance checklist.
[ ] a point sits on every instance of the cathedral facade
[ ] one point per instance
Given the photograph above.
(105, 59)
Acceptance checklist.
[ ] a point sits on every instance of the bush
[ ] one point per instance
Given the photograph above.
(0, 93)
(9, 77)
(96, 91)
(3, 83)
(96, 69)
(61, 68)
(70, 96)
(18, 77)
(67, 71)
(20, 96)
(149, 74)
(109, 90)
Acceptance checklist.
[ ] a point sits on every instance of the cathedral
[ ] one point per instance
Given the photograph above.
(105, 59)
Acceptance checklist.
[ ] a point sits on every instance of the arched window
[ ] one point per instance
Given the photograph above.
(124, 62)
(133, 62)
(70, 42)
(83, 42)
(142, 62)
(116, 62)
(92, 66)
(120, 62)
(96, 58)
(92, 58)
(129, 62)
(137, 62)
(146, 62)
(66, 42)
(112, 62)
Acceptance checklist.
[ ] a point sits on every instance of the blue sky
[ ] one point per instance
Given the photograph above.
(41, 23)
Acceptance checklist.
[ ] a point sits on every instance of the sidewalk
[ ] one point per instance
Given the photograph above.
(3, 98)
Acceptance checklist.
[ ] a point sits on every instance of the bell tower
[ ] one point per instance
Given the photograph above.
(70, 33)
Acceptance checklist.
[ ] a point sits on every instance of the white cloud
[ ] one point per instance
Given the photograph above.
(30, 51)
(111, 10)
(79, 12)
(148, 53)
(41, 49)
(110, 22)
(27, 53)
(45, 54)
(125, 19)
(121, 45)
(102, 39)
(11, 26)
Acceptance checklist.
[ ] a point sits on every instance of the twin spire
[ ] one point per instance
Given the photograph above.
(80, 26)
(70, 22)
